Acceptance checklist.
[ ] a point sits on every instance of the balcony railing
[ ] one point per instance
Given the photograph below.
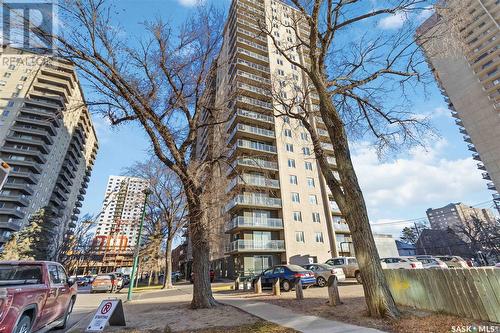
(255, 102)
(251, 76)
(322, 132)
(259, 146)
(253, 130)
(327, 146)
(255, 162)
(252, 115)
(491, 186)
(254, 200)
(252, 54)
(257, 90)
(251, 222)
(341, 227)
(251, 180)
(319, 120)
(256, 245)
(331, 160)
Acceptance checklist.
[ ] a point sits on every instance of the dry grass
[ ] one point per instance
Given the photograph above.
(257, 327)
(354, 311)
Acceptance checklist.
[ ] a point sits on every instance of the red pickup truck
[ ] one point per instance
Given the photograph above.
(35, 296)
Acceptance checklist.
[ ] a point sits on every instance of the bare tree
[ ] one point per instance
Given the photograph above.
(349, 85)
(166, 212)
(482, 235)
(159, 83)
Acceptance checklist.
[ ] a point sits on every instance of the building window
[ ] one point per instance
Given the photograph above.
(319, 237)
(288, 133)
(279, 61)
(12, 67)
(310, 182)
(313, 199)
(289, 147)
(6, 74)
(293, 180)
(295, 197)
(297, 216)
(291, 163)
(299, 236)
(281, 72)
(286, 119)
(308, 165)
(315, 217)
(306, 151)
(304, 136)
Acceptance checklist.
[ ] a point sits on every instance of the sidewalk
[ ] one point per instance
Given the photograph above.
(284, 317)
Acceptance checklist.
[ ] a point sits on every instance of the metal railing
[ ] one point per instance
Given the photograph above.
(242, 143)
(257, 222)
(253, 200)
(258, 245)
(254, 181)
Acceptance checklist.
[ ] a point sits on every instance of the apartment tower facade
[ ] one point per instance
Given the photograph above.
(118, 224)
(48, 139)
(466, 66)
(457, 214)
(278, 208)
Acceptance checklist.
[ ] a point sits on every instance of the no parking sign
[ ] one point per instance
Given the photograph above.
(110, 311)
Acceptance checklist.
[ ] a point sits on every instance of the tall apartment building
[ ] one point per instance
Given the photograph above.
(278, 208)
(118, 224)
(48, 139)
(456, 214)
(468, 74)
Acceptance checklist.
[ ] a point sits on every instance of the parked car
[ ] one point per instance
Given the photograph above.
(322, 273)
(211, 274)
(34, 296)
(401, 262)
(348, 264)
(453, 261)
(120, 280)
(104, 282)
(431, 262)
(82, 281)
(90, 278)
(289, 275)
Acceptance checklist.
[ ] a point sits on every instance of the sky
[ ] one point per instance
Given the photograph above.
(397, 188)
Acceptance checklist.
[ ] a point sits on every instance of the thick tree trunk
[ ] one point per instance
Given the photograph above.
(378, 298)
(150, 277)
(167, 281)
(199, 234)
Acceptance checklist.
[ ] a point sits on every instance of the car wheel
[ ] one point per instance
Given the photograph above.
(67, 314)
(24, 325)
(358, 277)
(321, 281)
(286, 285)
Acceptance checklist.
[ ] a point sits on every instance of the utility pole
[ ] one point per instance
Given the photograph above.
(147, 192)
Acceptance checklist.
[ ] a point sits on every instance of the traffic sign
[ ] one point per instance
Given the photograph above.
(110, 311)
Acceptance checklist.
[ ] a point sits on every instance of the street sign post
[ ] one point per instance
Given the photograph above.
(110, 311)
(4, 172)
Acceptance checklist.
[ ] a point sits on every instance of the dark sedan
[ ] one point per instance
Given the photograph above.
(289, 275)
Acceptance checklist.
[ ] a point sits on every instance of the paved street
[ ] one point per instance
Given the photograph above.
(86, 303)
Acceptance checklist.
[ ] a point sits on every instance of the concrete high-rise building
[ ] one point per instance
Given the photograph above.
(48, 139)
(278, 208)
(467, 69)
(118, 224)
(456, 214)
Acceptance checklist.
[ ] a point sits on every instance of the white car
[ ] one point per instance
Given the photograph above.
(401, 262)
(431, 262)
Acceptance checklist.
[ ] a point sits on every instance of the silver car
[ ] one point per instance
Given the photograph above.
(322, 273)
(348, 264)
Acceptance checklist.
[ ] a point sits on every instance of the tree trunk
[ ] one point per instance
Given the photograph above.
(167, 280)
(199, 234)
(378, 298)
(150, 277)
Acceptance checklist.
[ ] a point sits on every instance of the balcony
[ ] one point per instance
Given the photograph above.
(476, 157)
(471, 148)
(38, 143)
(76, 211)
(481, 166)
(459, 122)
(27, 176)
(254, 163)
(253, 223)
(491, 186)
(250, 132)
(322, 132)
(14, 212)
(38, 122)
(246, 200)
(257, 181)
(496, 196)
(253, 77)
(331, 160)
(341, 227)
(253, 146)
(486, 176)
(327, 146)
(467, 139)
(250, 116)
(24, 188)
(463, 131)
(256, 92)
(43, 134)
(12, 226)
(18, 199)
(256, 246)
(35, 154)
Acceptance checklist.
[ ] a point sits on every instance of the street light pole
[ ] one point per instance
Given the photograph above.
(137, 246)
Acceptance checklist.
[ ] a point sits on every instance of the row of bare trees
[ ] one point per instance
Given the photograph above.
(160, 82)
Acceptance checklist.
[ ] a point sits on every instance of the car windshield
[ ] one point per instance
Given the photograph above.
(336, 261)
(20, 274)
(103, 277)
